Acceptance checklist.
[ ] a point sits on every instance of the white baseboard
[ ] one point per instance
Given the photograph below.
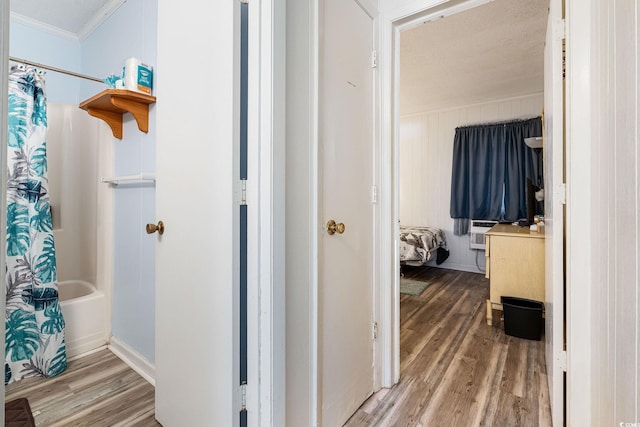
(134, 360)
(456, 266)
(81, 347)
(71, 358)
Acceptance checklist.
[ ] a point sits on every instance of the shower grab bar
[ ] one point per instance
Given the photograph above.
(139, 177)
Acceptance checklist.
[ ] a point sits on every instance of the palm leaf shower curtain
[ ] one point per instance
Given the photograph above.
(34, 332)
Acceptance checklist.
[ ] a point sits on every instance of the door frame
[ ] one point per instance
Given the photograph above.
(266, 214)
(392, 22)
(555, 255)
(582, 89)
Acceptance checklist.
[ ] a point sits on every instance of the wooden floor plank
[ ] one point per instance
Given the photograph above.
(455, 370)
(96, 390)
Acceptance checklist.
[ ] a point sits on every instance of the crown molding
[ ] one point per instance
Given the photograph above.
(99, 17)
(39, 25)
(94, 22)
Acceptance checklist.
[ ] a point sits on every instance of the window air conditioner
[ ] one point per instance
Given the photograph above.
(476, 234)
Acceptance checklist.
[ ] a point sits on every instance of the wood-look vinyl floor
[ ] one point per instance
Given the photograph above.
(96, 390)
(455, 370)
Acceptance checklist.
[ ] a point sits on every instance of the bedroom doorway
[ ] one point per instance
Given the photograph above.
(402, 19)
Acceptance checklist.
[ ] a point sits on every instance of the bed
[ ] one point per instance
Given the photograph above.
(418, 245)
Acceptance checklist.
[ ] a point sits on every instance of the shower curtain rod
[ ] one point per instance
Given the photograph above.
(57, 70)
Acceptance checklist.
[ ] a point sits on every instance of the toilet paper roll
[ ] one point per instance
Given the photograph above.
(137, 76)
(130, 73)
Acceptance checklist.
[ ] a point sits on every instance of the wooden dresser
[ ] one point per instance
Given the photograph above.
(514, 263)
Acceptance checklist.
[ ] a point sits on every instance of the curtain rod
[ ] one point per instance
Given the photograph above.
(502, 123)
(57, 70)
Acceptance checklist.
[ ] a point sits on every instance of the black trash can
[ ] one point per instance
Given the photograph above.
(522, 317)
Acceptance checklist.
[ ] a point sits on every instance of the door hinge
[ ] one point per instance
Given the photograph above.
(560, 193)
(375, 330)
(374, 59)
(558, 27)
(562, 360)
(374, 194)
(243, 192)
(243, 397)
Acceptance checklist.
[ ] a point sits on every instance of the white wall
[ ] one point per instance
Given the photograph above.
(603, 213)
(426, 150)
(130, 32)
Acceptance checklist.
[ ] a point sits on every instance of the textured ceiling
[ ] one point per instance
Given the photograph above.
(70, 16)
(490, 52)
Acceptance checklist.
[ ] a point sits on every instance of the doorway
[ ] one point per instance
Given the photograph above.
(400, 19)
(462, 92)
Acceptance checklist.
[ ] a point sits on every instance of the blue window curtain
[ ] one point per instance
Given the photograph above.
(491, 164)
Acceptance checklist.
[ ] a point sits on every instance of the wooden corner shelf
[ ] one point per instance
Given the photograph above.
(110, 104)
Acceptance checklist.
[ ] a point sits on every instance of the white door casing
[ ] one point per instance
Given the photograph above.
(346, 138)
(266, 216)
(554, 209)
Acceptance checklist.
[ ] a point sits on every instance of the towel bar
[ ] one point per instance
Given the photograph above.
(139, 177)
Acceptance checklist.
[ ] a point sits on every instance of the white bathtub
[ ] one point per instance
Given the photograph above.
(84, 311)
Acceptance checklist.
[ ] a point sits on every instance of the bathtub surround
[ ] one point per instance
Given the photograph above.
(35, 342)
(79, 153)
(83, 307)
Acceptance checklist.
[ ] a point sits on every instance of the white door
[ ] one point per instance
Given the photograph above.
(197, 352)
(345, 177)
(554, 208)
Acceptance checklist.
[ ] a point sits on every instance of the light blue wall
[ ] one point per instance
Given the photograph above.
(130, 32)
(39, 46)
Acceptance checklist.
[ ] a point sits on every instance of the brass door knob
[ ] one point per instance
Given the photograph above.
(152, 228)
(333, 228)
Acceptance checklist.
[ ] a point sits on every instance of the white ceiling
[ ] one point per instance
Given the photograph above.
(74, 19)
(490, 52)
